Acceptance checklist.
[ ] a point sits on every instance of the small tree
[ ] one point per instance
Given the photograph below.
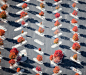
(57, 7)
(41, 30)
(57, 59)
(4, 7)
(74, 5)
(76, 73)
(75, 12)
(2, 32)
(3, 15)
(75, 29)
(39, 57)
(20, 39)
(39, 49)
(75, 37)
(73, 21)
(76, 46)
(56, 69)
(18, 69)
(1, 42)
(57, 56)
(37, 74)
(38, 68)
(56, 0)
(12, 62)
(23, 22)
(57, 15)
(22, 14)
(14, 50)
(24, 5)
(22, 31)
(75, 56)
(56, 40)
(42, 5)
(12, 55)
(57, 23)
(58, 53)
(41, 13)
(51, 57)
(40, 23)
(56, 32)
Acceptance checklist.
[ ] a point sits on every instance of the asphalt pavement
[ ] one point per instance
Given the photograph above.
(48, 42)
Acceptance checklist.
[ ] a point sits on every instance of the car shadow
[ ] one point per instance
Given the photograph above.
(65, 20)
(13, 15)
(31, 20)
(6, 59)
(81, 2)
(12, 23)
(65, 30)
(46, 64)
(26, 72)
(31, 28)
(64, 12)
(8, 49)
(50, 12)
(82, 27)
(82, 18)
(66, 63)
(80, 10)
(46, 54)
(28, 36)
(33, 12)
(45, 74)
(32, 4)
(65, 5)
(83, 44)
(18, 1)
(11, 40)
(8, 70)
(30, 61)
(12, 6)
(64, 37)
(83, 53)
(30, 46)
(48, 19)
(83, 35)
(83, 63)
(49, 4)
(48, 36)
(26, 65)
(64, 47)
